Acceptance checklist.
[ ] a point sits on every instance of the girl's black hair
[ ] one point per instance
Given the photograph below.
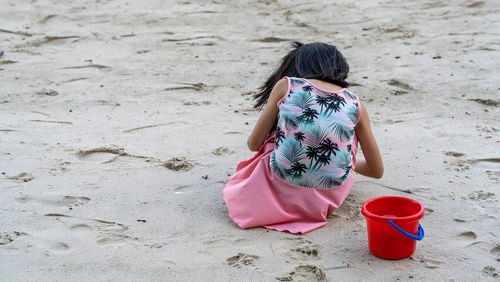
(315, 60)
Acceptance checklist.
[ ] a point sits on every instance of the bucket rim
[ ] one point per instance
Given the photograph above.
(414, 217)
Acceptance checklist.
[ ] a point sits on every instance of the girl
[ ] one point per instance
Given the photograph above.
(306, 138)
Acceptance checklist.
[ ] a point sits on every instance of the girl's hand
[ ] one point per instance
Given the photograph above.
(372, 166)
(268, 117)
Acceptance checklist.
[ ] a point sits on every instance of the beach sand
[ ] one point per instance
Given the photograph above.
(121, 121)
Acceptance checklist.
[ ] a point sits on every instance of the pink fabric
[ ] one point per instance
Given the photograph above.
(255, 196)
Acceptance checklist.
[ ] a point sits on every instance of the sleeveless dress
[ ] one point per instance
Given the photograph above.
(305, 169)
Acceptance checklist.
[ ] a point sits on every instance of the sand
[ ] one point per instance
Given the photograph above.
(121, 121)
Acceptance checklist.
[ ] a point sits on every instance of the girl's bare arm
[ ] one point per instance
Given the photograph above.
(372, 165)
(268, 117)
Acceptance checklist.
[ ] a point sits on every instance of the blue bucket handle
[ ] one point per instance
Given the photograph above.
(418, 237)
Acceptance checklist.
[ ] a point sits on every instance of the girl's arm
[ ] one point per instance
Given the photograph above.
(268, 116)
(372, 165)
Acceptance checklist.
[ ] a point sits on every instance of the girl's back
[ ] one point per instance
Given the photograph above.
(306, 138)
(315, 135)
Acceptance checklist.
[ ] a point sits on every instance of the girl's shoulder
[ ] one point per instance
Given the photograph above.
(282, 86)
(280, 90)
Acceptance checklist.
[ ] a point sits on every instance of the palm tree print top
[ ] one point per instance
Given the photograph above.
(315, 135)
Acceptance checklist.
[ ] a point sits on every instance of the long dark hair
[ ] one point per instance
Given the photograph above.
(315, 60)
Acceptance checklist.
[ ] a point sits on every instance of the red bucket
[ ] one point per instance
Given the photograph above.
(391, 223)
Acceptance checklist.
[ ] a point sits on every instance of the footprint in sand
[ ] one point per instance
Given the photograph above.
(428, 262)
(464, 217)
(457, 163)
(22, 177)
(308, 251)
(64, 166)
(296, 249)
(402, 87)
(489, 165)
(112, 239)
(490, 271)
(496, 252)
(304, 250)
(468, 235)
(177, 164)
(222, 151)
(493, 175)
(454, 154)
(305, 272)
(105, 154)
(59, 247)
(55, 201)
(105, 232)
(9, 237)
(400, 84)
(241, 260)
(45, 92)
(481, 196)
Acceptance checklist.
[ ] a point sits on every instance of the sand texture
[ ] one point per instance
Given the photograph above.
(120, 122)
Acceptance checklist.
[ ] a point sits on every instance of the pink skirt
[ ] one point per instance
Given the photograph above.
(255, 196)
